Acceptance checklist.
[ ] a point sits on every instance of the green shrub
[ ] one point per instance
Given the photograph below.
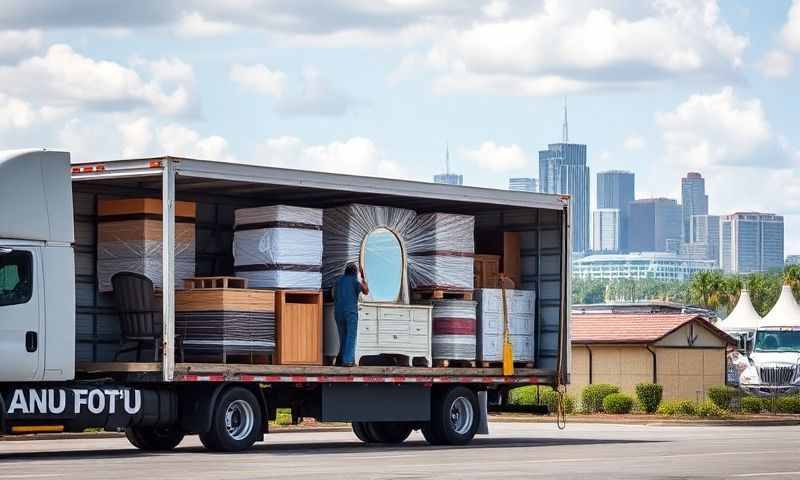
(649, 395)
(547, 396)
(751, 404)
(550, 398)
(618, 403)
(523, 395)
(593, 395)
(722, 395)
(789, 404)
(677, 407)
(707, 408)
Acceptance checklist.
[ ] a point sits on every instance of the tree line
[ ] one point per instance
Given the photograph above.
(712, 290)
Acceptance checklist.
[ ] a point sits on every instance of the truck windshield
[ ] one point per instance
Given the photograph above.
(778, 341)
(16, 280)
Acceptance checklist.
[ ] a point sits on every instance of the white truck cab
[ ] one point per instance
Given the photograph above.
(37, 310)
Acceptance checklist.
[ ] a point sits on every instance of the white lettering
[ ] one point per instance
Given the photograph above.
(38, 401)
(80, 399)
(18, 403)
(133, 408)
(96, 401)
(112, 400)
(62, 401)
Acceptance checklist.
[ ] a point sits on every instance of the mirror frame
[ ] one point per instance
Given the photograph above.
(402, 294)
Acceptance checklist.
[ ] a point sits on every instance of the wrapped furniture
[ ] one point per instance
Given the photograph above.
(521, 321)
(129, 239)
(454, 330)
(278, 246)
(441, 247)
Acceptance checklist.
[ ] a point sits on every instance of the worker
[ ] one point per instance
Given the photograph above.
(345, 301)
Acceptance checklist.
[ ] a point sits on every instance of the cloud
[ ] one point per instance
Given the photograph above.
(136, 137)
(19, 114)
(790, 33)
(196, 25)
(313, 95)
(722, 129)
(497, 158)
(65, 79)
(356, 155)
(634, 143)
(777, 64)
(18, 44)
(181, 141)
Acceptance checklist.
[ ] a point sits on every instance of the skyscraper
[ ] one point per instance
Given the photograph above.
(694, 200)
(448, 177)
(655, 225)
(704, 235)
(606, 231)
(563, 169)
(615, 189)
(522, 184)
(751, 242)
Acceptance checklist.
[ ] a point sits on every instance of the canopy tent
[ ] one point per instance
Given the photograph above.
(785, 313)
(743, 318)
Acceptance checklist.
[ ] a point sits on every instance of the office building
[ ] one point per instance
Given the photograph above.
(523, 184)
(704, 235)
(653, 265)
(792, 260)
(606, 230)
(448, 177)
(751, 242)
(654, 221)
(694, 201)
(615, 189)
(563, 169)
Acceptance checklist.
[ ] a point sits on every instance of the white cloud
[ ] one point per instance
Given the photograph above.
(495, 9)
(196, 25)
(777, 64)
(136, 137)
(721, 129)
(64, 79)
(498, 158)
(791, 29)
(17, 44)
(356, 155)
(17, 114)
(259, 78)
(634, 143)
(181, 141)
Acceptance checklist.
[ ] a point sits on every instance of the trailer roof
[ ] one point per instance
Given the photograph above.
(250, 184)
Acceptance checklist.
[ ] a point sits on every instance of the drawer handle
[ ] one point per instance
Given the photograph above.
(395, 337)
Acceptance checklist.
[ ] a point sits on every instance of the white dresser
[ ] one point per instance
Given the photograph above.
(385, 328)
(521, 324)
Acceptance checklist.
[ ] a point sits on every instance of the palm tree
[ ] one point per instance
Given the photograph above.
(706, 289)
(791, 276)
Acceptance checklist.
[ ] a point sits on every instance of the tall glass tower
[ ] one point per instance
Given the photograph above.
(694, 201)
(616, 189)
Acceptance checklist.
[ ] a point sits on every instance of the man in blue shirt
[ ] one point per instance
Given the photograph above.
(345, 303)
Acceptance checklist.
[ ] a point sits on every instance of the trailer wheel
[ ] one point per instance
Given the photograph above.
(154, 439)
(359, 428)
(236, 422)
(454, 417)
(389, 432)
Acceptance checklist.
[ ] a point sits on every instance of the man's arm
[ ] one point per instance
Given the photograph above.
(362, 282)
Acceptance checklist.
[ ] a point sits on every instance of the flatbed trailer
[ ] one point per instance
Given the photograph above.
(157, 403)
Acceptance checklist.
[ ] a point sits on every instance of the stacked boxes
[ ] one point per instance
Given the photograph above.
(278, 247)
(454, 329)
(129, 239)
(441, 247)
(521, 320)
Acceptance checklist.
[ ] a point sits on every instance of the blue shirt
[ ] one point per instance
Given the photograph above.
(345, 294)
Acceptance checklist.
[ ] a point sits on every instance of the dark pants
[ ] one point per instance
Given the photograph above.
(346, 324)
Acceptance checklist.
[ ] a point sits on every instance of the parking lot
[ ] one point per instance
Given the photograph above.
(514, 450)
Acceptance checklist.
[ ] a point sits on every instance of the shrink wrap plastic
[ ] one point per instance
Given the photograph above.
(226, 332)
(454, 329)
(521, 323)
(278, 246)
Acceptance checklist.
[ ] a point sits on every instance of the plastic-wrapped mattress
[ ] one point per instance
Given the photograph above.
(454, 330)
(441, 247)
(278, 246)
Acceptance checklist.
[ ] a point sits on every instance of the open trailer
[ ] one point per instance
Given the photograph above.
(56, 351)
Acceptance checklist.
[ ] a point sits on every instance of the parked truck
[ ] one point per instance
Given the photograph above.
(55, 370)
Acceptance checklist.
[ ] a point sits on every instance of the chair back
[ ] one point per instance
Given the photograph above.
(139, 312)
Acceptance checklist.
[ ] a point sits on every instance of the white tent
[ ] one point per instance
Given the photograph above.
(743, 318)
(785, 313)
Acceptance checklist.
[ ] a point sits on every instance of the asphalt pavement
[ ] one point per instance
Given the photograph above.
(513, 450)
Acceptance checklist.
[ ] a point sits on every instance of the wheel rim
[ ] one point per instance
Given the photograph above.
(461, 415)
(239, 419)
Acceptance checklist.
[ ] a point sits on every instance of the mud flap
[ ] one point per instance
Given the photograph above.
(483, 406)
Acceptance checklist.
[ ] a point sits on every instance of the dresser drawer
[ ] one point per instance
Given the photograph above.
(394, 314)
(386, 326)
(418, 341)
(386, 338)
(367, 313)
(367, 327)
(421, 314)
(419, 328)
(366, 341)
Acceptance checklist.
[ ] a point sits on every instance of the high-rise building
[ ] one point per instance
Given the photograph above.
(704, 235)
(694, 201)
(448, 177)
(522, 184)
(654, 265)
(751, 242)
(563, 169)
(653, 222)
(615, 189)
(606, 230)
(792, 260)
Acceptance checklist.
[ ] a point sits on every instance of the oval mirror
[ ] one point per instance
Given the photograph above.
(382, 264)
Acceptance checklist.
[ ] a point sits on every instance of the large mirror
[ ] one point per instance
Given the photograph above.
(382, 264)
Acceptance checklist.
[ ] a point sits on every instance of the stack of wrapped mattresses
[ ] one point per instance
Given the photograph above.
(278, 247)
(454, 330)
(129, 239)
(521, 305)
(441, 247)
(222, 321)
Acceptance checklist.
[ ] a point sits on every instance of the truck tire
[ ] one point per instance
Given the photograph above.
(389, 432)
(359, 428)
(454, 417)
(154, 439)
(236, 422)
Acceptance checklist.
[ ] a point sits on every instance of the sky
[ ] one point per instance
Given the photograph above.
(380, 87)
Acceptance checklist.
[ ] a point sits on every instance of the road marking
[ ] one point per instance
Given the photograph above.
(766, 474)
(32, 475)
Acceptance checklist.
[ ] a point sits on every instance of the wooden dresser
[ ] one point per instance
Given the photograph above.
(385, 328)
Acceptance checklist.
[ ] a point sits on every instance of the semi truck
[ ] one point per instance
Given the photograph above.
(57, 368)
